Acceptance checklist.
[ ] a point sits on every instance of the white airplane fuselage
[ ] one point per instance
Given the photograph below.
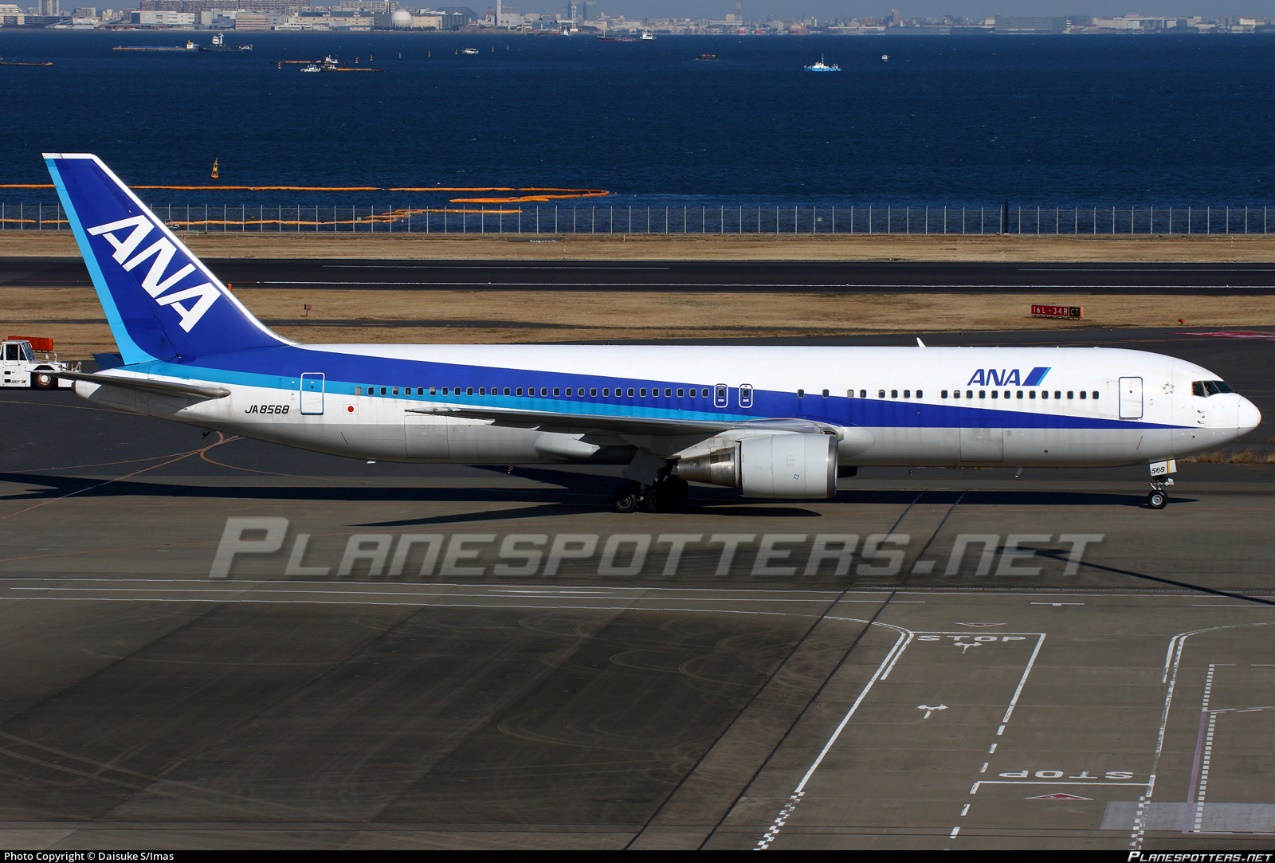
(912, 406)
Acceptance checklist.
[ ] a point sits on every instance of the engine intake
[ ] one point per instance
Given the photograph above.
(787, 466)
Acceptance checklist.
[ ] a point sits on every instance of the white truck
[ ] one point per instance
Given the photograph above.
(22, 367)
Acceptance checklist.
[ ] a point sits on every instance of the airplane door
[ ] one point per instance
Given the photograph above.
(1131, 398)
(312, 393)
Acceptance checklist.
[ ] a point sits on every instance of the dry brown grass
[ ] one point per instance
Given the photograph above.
(1222, 456)
(694, 247)
(72, 316)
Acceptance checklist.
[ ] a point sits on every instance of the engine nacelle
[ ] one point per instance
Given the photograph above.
(774, 466)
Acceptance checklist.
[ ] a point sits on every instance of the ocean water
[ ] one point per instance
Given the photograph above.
(961, 121)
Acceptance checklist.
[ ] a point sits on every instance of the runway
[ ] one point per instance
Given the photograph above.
(390, 656)
(731, 277)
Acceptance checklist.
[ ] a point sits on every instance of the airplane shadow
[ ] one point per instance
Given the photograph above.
(589, 493)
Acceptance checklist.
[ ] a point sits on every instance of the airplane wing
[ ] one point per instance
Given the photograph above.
(586, 422)
(166, 388)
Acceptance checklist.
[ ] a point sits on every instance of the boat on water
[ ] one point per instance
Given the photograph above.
(4, 62)
(469, 51)
(332, 64)
(821, 66)
(706, 57)
(646, 37)
(189, 46)
(219, 45)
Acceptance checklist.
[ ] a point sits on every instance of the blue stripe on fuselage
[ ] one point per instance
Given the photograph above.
(286, 364)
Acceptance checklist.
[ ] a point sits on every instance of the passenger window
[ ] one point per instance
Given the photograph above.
(482, 391)
(557, 391)
(517, 391)
(681, 392)
(469, 391)
(982, 394)
(505, 391)
(1071, 394)
(593, 392)
(358, 391)
(642, 392)
(969, 394)
(863, 394)
(1095, 395)
(956, 394)
(995, 394)
(1020, 395)
(880, 394)
(919, 394)
(801, 394)
(894, 394)
(630, 391)
(745, 395)
(1057, 394)
(544, 391)
(606, 392)
(668, 392)
(943, 394)
(907, 394)
(1082, 395)
(1044, 394)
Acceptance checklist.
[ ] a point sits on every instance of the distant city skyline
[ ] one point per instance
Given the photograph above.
(827, 9)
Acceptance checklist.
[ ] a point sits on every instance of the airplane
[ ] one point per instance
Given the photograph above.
(771, 422)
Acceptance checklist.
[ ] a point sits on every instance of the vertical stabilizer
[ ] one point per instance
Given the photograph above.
(160, 300)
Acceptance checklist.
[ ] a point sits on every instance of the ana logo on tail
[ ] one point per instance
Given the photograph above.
(157, 280)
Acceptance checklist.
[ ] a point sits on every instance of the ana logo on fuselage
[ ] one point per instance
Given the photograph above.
(157, 279)
(1007, 377)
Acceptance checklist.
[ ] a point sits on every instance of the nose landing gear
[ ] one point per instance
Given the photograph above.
(1158, 497)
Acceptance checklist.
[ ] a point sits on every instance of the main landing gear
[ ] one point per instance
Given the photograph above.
(665, 495)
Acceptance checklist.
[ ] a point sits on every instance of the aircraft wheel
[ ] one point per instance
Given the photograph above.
(1157, 499)
(625, 499)
(652, 500)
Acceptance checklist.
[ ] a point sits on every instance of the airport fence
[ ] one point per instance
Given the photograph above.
(642, 220)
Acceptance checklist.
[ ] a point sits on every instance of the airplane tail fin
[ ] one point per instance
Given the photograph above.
(160, 300)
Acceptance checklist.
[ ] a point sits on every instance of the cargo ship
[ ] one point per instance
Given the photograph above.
(189, 46)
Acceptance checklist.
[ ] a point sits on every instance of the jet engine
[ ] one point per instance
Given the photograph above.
(773, 466)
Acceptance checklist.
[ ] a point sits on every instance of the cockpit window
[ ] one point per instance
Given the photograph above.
(1205, 389)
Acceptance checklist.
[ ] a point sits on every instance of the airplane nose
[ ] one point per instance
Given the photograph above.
(1249, 417)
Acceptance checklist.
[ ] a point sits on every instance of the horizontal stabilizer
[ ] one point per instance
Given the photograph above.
(165, 388)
